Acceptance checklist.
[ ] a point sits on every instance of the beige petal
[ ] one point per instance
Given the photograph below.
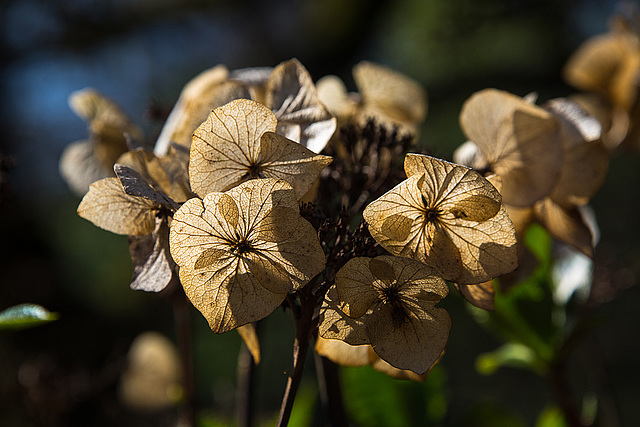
(227, 146)
(332, 92)
(390, 95)
(416, 343)
(152, 265)
(334, 324)
(520, 141)
(400, 374)
(613, 118)
(292, 96)
(228, 295)
(288, 160)
(342, 353)
(109, 207)
(250, 338)
(566, 225)
(586, 160)
(198, 97)
(481, 295)
(355, 287)
(80, 168)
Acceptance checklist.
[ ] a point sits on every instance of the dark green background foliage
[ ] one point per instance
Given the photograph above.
(140, 53)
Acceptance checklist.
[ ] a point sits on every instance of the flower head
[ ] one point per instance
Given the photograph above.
(241, 252)
(238, 142)
(447, 216)
(390, 303)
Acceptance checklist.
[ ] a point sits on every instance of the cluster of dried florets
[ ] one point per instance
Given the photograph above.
(217, 205)
(262, 186)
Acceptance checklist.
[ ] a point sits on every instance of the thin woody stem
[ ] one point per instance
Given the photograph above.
(331, 391)
(246, 380)
(304, 325)
(182, 320)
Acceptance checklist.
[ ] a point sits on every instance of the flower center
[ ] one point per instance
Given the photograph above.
(391, 295)
(241, 247)
(255, 171)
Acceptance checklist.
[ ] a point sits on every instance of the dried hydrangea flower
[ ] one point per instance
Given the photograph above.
(447, 216)
(240, 252)
(518, 141)
(387, 96)
(390, 303)
(129, 205)
(238, 142)
(292, 96)
(84, 162)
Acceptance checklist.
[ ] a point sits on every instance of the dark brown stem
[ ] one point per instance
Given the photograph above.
(331, 391)
(246, 381)
(182, 320)
(304, 325)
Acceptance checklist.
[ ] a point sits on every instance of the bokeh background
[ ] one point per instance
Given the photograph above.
(140, 53)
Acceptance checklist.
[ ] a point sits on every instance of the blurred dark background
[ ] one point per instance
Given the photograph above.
(140, 53)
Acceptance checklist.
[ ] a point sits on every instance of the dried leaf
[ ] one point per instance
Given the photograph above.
(250, 337)
(107, 206)
(448, 217)
(237, 143)
(292, 96)
(229, 271)
(520, 142)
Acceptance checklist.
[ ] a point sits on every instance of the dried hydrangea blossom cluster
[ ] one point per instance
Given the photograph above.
(249, 197)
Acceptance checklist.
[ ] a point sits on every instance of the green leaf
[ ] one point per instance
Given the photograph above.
(551, 417)
(25, 316)
(509, 354)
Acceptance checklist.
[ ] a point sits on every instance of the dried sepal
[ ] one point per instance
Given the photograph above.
(84, 162)
(520, 142)
(609, 64)
(135, 185)
(292, 96)
(566, 224)
(249, 335)
(153, 265)
(400, 319)
(585, 161)
(389, 96)
(481, 295)
(241, 252)
(167, 173)
(237, 143)
(108, 206)
(447, 216)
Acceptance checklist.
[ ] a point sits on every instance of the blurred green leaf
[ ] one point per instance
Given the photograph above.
(25, 316)
(510, 354)
(551, 417)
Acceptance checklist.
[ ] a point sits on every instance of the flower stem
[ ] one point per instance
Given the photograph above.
(304, 325)
(330, 390)
(182, 320)
(246, 383)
